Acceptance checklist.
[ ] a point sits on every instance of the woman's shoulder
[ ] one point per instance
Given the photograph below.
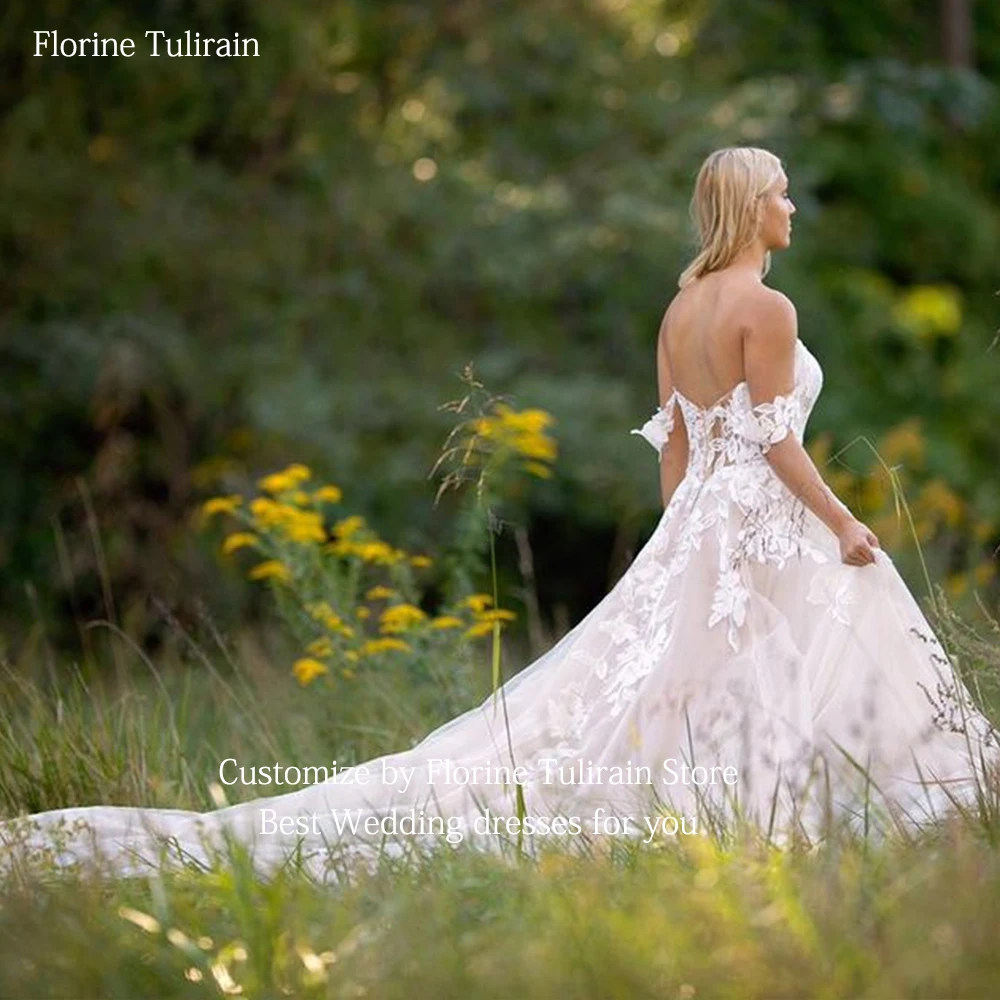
(771, 312)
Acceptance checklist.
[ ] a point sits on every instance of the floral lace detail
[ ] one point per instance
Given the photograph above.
(730, 487)
(729, 504)
(768, 423)
(837, 597)
(658, 428)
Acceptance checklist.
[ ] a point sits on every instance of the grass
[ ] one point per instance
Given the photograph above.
(684, 917)
(726, 915)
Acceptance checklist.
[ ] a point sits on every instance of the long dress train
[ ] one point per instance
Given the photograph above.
(738, 667)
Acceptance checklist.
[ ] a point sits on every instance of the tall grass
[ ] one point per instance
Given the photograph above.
(687, 917)
(726, 915)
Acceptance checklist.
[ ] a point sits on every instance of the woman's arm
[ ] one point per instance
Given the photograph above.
(769, 359)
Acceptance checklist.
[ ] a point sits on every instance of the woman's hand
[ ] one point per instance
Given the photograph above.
(857, 542)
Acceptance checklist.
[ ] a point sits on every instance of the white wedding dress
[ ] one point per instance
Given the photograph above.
(736, 639)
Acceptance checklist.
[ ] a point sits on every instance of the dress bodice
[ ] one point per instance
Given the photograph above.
(730, 491)
(732, 431)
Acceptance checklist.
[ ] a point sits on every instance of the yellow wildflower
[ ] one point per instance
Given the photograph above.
(375, 646)
(351, 655)
(304, 527)
(537, 469)
(301, 498)
(363, 613)
(299, 472)
(446, 621)
(535, 446)
(287, 479)
(265, 511)
(348, 526)
(347, 672)
(479, 629)
(341, 548)
(421, 562)
(307, 670)
(319, 610)
(401, 617)
(221, 505)
(271, 569)
(320, 647)
(531, 420)
(476, 601)
(378, 592)
(497, 614)
(322, 612)
(928, 310)
(239, 540)
(328, 494)
(376, 552)
(276, 483)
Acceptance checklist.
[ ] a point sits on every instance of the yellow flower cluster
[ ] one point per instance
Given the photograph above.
(930, 310)
(322, 612)
(220, 505)
(288, 479)
(271, 570)
(485, 621)
(302, 526)
(320, 647)
(348, 526)
(395, 619)
(446, 621)
(328, 494)
(238, 540)
(400, 618)
(522, 432)
(477, 602)
(284, 515)
(307, 669)
(374, 646)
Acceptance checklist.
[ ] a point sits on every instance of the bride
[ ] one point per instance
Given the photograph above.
(760, 660)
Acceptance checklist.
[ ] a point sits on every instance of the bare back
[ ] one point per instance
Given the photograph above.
(702, 335)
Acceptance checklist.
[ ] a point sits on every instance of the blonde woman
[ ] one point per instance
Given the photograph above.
(761, 661)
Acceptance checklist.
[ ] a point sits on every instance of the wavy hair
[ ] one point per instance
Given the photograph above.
(727, 206)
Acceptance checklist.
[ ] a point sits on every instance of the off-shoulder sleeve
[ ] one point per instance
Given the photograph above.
(658, 428)
(770, 422)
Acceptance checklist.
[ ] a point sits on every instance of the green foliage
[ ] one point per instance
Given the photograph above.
(210, 267)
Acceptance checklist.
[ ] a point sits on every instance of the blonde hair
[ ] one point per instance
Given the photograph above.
(727, 205)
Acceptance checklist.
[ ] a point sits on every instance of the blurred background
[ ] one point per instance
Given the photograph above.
(210, 268)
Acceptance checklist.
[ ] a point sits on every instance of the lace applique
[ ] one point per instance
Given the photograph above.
(836, 597)
(730, 504)
(768, 423)
(731, 490)
(658, 428)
